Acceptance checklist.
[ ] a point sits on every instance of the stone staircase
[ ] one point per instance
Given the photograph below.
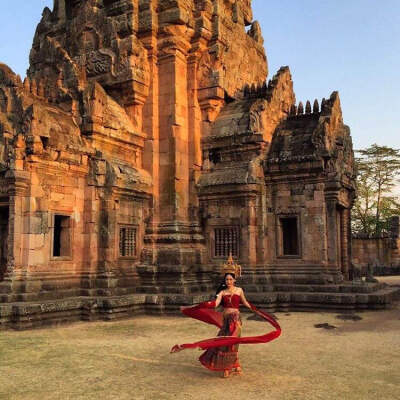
(311, 288)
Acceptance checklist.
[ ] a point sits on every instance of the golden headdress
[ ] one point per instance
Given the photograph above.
(230, 267)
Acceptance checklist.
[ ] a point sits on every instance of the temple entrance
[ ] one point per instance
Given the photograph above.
(3, 239)
(290, 237)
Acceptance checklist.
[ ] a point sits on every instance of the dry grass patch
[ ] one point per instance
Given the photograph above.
(130, 360)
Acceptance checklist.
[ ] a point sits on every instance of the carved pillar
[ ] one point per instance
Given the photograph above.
(173, 237)
(332, 229)
(346, 248)
(344, 242)
(252, 231)
(106, 277)
(174, 137)
(151, 124)
(107, 233)
(194, 127)
(18, 182)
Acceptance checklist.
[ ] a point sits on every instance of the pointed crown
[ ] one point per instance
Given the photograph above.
(230, 267)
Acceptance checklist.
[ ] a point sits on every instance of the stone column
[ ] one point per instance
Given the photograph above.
(147, 33)
(345, 221)
(331, 219)
(174, 244)
(151, 124)
(17, 182)
(106, 277)
(251, 231)
(174, 135)
(194, 127)
(172, 237)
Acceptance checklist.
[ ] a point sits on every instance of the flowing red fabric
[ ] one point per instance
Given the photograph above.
(205, 313)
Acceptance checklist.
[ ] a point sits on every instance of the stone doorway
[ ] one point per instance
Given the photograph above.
(4, 214)
(288, 237)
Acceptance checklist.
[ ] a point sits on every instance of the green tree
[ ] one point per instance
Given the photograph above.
(378, 168)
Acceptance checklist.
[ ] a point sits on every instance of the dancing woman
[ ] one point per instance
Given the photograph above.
(226, 358)
(222, 352)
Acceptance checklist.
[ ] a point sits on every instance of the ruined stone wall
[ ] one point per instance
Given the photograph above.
(383, 252)
(303, 202)
(374, 250)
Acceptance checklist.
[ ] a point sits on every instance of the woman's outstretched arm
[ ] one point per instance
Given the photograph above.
(244, 300)
(218, 299)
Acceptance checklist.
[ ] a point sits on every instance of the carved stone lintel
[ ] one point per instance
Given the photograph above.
(18, 182)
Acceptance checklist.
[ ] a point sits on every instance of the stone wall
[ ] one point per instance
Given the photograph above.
(381, 252)
(378, 251)
(69, 196)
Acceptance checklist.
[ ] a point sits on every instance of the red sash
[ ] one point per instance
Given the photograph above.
(205, 312)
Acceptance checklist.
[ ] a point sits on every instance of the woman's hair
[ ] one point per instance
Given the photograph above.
(222, 285)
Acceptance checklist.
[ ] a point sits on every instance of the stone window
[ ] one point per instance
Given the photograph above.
(62, 236)
(226, 242)
(127, 241)
(290, 236)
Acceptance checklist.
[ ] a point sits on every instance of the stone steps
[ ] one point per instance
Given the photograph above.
(313, 288)
(289, 274)
(27, 315)
(292, 301)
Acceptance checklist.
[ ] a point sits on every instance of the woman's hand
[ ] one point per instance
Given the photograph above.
(176, 349)
(218, 299)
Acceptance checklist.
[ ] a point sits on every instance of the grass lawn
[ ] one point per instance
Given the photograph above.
(358, 359)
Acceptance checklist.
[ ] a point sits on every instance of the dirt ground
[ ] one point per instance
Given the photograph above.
(350, 357)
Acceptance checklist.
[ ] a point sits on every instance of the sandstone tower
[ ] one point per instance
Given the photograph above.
(144, 146)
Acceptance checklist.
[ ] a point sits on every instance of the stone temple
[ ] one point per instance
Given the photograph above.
(145, 146)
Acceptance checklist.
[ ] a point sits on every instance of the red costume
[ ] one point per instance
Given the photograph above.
(231, 301)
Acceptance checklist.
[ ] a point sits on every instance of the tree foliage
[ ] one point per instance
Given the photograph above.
(378, 170)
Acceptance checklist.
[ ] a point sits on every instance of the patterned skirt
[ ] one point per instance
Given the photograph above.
(224, 358)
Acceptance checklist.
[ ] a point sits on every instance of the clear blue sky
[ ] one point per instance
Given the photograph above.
(352, 46)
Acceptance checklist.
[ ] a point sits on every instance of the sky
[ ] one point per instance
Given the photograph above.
(352, 46)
